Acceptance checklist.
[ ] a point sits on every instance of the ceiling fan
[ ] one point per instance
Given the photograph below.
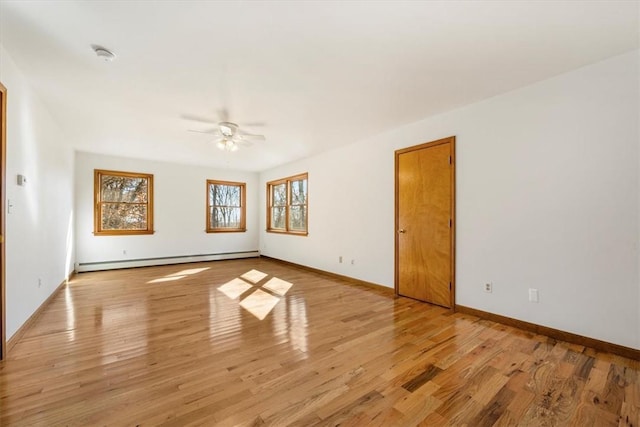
(228, 135)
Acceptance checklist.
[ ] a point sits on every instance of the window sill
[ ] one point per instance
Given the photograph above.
(230, 230)
(293, 233)
(122, 232)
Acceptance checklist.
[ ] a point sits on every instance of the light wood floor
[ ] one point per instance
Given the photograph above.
(171, 346)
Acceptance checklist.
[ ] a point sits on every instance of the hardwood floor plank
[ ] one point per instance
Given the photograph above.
(494, 409)
(173, 346)
(418, 381)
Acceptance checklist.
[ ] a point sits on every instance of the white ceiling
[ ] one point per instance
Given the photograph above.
(318, 74)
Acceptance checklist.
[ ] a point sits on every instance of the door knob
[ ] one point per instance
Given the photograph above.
(402, 230)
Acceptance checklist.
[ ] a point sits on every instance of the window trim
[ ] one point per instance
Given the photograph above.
(97, 203)
(243, 208)
(287, 181)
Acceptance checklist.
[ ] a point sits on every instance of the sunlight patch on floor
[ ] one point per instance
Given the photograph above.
(234, 288)
(254, 276)
(263, 299)
(166, 279)
(179, 275)
(71, 313)
(190, 271)
(259, 303)
(278, 286)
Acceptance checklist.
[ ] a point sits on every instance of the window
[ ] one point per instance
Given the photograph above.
(287, 205)
(123, 203)
(225, 206)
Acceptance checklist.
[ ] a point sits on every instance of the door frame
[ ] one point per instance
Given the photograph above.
(452, 141)
(3, 163)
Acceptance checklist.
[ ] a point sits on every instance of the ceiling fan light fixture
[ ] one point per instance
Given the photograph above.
(227, 145)
(228, 135)
(228, 129)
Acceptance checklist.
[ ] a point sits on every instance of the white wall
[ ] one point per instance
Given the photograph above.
(179, 212)
(547, 198)
(39, 232)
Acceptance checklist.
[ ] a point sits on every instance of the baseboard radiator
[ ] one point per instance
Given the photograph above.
(147, 262)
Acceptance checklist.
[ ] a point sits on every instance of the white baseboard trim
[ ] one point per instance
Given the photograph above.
(147, 262)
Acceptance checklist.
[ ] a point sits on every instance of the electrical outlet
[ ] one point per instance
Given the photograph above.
(353, 262)
(340, 259)
(533, 295)
(39, 282)
(488, 287)
(124, 252)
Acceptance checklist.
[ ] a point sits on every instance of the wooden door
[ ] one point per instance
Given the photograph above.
(3, 151)
(425, 195)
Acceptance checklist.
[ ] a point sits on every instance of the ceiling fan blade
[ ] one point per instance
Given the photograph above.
(252, 124)
(213, 131)
(245, 143)
(196, 118)
(240, 140)
(254, 138)
(251, 136)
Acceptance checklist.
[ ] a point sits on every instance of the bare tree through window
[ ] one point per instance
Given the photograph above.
(123, 202)
(279, 207)
(287, 211)
(298, 209)
(225, 206)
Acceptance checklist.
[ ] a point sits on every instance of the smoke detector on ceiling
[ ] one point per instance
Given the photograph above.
(103, 53)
